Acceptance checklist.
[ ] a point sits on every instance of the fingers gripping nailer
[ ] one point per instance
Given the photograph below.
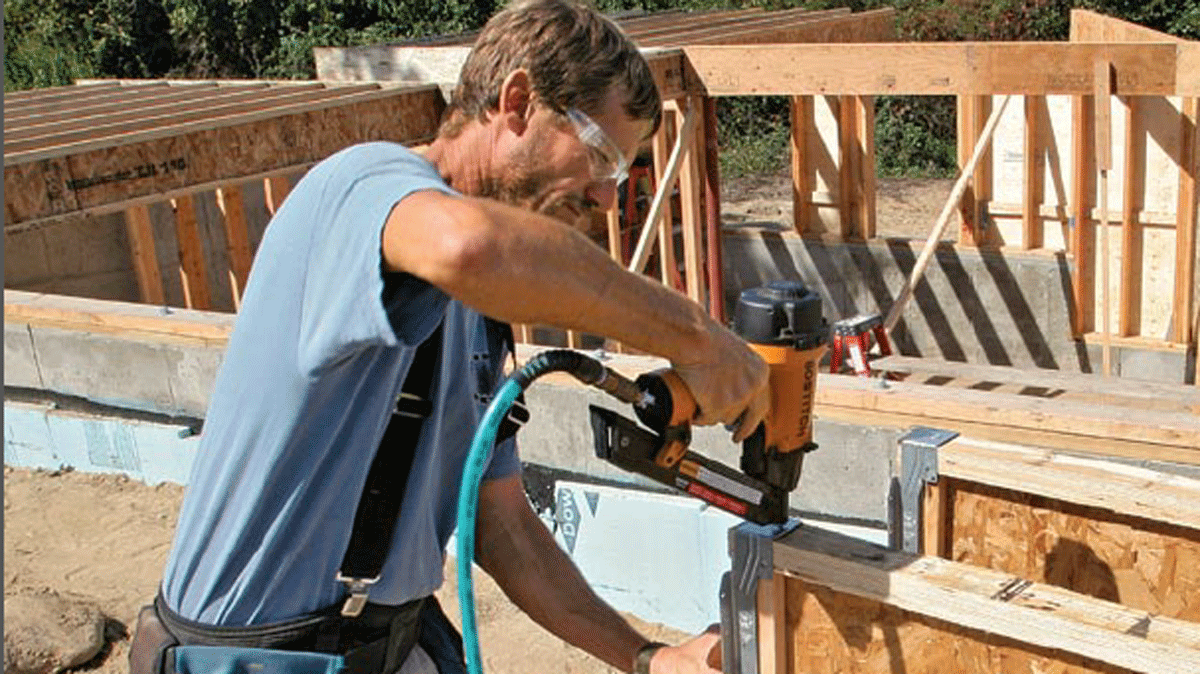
(783, 323)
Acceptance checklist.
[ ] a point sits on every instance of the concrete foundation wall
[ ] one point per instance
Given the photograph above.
(972, 306)
(89, 256)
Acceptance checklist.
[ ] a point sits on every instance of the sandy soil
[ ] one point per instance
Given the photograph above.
(904, 207)
(103, 540)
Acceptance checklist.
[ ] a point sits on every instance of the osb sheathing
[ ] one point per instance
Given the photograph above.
(1129, 560)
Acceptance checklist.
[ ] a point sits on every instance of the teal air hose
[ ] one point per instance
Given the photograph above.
(586, 369)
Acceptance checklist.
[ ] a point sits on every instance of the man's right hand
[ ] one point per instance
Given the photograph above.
(729, 382)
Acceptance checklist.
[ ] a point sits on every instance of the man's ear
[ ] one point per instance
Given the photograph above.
(516, 99)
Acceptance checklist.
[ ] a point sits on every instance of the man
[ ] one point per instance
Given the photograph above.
(379, 250)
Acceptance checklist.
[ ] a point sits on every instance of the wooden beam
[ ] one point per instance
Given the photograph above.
(666, 222)
(973, 207)
(193, 275)
(1129, 490)
(772, 635)
(1063, 383)
(17, 98)
(130, 103)
(943, 68)
(144, 256)
(1083, 232)
(1083, 427)
(714, 278)
(690, 187)
(75, 178)
(966, 136)
(936, 519)
(275, 190)
(847, 197)
(1102, 97)
(1130, 318)
(237, 240)
(864, 117)
(131, 114)
(80, 96)
(236, 104)
(672, 74)
(129, 320)
(1034, 176)
(991, 602)
(729, 32)
(802, 170)
(872, 26)
(1185, 229)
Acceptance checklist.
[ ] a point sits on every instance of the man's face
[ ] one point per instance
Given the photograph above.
(563, 167)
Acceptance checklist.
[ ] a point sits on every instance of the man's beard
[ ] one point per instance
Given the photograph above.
(523, 185)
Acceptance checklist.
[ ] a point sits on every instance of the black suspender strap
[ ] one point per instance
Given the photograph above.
(383, 493)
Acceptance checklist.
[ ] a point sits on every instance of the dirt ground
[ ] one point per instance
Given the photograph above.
(904, 207)
(104, 539)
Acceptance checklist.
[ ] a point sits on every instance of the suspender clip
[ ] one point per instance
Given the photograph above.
(359, 589)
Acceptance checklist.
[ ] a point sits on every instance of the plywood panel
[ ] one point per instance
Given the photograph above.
(1133, 561)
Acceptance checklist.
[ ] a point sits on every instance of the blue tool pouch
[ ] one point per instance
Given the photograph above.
(234, 660)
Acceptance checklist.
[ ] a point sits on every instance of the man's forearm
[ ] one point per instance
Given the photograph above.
(516, 549)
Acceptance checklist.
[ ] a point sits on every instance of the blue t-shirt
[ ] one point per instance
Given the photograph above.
(316, 361)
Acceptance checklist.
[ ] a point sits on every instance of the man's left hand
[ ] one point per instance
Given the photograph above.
(691, 657)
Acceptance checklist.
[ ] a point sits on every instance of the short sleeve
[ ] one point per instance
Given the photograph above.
(344, 285)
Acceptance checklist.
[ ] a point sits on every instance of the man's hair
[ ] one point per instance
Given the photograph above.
(574, 56)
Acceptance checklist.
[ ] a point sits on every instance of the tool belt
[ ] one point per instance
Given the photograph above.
(376, 641)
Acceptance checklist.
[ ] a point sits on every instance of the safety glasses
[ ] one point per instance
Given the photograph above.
(607, 160)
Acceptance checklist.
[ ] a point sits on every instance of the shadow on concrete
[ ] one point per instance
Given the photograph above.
(940, 327)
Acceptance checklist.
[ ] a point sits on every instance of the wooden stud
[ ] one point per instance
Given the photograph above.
(229, 200)
(275, 190)
(712, 213)
(802, 177)
(689, 197)
(192, 274)
(1102, 97)
(973, 207)
(1083, 232)
(847, 197)
(145, 258)
(937, 514)
(965, 122)
(1035, 169)
(661, 145)
(1185, 231)
(865, 119)
(773, 634)
(1130, 318)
